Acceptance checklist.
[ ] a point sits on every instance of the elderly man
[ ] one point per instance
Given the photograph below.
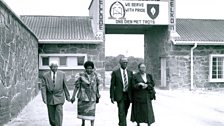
(54, 92)
(120, 90)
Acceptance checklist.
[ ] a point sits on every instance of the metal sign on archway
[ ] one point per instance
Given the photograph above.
(139, 13)
(136, 13)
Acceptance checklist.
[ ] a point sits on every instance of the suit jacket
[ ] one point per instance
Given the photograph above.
(138, 93)
(116, 87)
(54, 94)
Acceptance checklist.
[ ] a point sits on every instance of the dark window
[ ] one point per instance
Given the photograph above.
(45, 61)
(63, 61)
(217, 68)
(81, 60)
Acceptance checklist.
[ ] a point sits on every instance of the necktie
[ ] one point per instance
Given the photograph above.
(53, 77)
(125, 81)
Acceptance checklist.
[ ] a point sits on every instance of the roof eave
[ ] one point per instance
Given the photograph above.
(198, 42)
(90, 4)
(44, 41)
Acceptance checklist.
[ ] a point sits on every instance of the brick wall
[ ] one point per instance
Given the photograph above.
(18, 65)
(95, 53)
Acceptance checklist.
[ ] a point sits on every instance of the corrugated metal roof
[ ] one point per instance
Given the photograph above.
(60, 27)
(200, 30)
(79, 28)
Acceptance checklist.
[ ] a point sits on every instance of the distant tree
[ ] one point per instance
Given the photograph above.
(112, 63)
(133, 63)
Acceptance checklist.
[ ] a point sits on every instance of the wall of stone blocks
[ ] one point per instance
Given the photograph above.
(18, 65)
(95, 53)
(156, 46)
(178, 71)
(179, 66)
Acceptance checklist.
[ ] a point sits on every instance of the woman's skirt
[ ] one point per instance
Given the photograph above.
(142, 112)
(86, 110)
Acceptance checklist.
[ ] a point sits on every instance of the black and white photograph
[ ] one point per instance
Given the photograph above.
(111, 63)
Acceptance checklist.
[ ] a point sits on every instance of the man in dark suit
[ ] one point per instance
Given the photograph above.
(120, 90)
(54, 90)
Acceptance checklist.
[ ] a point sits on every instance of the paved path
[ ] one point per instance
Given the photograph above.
(172, 108)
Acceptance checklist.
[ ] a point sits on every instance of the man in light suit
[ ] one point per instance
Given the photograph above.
(120, 90)
(54, 91)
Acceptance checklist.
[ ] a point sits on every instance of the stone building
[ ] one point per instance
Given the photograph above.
(69, 40)
(196, 57)
(191, 61)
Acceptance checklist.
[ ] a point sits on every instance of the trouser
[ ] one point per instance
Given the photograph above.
(123, 106)
(55, 114)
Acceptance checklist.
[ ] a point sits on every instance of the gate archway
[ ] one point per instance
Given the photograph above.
(155, 19)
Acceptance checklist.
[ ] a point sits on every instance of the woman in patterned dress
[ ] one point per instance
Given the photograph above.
(87, 85)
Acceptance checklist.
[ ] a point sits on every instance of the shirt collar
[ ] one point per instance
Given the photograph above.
(89, 74)
(53, 72)
(123, 69)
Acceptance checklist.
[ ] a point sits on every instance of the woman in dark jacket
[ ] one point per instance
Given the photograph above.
(142, 94)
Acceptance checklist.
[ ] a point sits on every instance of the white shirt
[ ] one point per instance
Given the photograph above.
(144, 77)
(52, 74)
(122, 70)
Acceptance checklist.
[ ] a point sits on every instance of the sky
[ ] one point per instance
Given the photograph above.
(132, 45)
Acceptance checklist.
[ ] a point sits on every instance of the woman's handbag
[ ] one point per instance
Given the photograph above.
(151, 88)
(152, 94)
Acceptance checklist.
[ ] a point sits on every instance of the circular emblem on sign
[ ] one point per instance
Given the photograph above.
(117, 10)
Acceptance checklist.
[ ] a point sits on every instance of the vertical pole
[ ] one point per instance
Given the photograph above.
(163, 72)
(192, 65)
